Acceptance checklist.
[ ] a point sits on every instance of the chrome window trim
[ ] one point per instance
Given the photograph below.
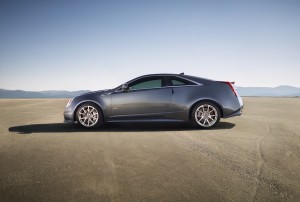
(163, 75)
(119, 90)
(141, 77)
(185, 86)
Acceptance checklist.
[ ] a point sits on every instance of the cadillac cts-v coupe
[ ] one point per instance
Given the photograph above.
(158, 97)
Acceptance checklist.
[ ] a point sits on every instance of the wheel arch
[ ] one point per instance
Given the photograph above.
(87, 101)
(203, 100)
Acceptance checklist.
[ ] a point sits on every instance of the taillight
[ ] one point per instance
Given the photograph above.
(231, 85)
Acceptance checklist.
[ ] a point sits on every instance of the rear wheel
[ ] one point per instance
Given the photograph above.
(206, 115)
(89, 115)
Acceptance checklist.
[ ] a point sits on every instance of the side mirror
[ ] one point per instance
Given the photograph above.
(125, 87)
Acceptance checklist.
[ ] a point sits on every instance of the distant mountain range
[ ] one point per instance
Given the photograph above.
(280, 91)
(40, 94)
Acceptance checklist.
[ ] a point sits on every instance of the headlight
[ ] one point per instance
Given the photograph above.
(69, 103)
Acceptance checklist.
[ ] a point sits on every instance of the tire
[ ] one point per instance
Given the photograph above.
(205, 115)
(89, 115)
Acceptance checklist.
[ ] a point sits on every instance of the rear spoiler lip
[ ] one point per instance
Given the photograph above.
(232, 82)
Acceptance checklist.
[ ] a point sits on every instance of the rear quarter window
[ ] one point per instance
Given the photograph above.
(176, 81)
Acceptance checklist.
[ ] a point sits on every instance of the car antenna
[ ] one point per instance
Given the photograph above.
(182, 73)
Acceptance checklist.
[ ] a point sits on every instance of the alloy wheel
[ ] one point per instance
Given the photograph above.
(88, 116)
(206, 115)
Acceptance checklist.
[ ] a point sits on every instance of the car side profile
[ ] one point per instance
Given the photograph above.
(158, 97)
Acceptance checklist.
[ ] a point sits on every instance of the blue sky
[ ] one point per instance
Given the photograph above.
(73, 45)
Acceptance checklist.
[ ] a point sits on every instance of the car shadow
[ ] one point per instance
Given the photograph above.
(111, 127)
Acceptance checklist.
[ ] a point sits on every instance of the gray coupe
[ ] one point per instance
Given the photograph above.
(158, 97)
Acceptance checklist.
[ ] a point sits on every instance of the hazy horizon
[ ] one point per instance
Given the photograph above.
(67, 45)
(120, 84)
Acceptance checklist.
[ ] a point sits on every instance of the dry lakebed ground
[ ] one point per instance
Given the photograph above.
(254, 157)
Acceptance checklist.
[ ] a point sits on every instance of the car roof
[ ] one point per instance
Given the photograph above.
(182, 75)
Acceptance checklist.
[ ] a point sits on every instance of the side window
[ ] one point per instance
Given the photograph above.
(176, 81)
(146, 83)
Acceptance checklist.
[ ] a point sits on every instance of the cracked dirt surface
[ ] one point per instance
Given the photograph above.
(255, 157)
(260, 162)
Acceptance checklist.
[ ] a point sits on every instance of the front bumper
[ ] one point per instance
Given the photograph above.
(68, 116)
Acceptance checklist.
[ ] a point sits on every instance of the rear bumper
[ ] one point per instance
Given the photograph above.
(236, 108)
(236, 113)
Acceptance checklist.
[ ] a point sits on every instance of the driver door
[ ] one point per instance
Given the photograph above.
(146, 97)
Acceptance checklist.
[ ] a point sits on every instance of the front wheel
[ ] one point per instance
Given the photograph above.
(89, 115)
(206, 115)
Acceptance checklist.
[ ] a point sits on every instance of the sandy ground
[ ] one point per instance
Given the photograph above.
(255, 157)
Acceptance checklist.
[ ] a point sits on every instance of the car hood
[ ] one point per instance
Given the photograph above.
(99, 92)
